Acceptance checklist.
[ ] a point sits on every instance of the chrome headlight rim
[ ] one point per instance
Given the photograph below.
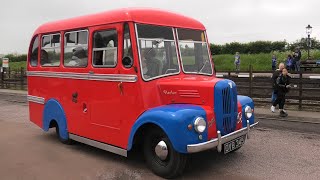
(248, 112)
(200, 125)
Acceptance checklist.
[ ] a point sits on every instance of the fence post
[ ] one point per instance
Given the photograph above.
(300, 90)
(2, 74)
(250, 80)
(21, 78)
(8, 80)
(229, 74)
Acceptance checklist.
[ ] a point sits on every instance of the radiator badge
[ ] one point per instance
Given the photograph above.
(230, 84)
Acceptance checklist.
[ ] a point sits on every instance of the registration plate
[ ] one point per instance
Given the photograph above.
(234, 144)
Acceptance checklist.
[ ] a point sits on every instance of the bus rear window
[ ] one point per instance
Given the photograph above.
(34, 52)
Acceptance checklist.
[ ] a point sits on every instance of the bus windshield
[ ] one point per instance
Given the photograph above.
(158, 53)
(194, 52)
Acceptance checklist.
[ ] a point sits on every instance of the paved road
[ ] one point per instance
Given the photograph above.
(28, 153)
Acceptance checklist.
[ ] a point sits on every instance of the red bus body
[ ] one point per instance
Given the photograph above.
(104, 104)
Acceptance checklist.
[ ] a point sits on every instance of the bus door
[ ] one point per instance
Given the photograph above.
(105, 80)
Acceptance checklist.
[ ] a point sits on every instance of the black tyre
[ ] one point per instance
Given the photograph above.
(64, 141)
(164, 162)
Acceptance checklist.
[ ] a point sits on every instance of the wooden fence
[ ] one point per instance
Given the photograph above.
(258, 85)
(13, 79)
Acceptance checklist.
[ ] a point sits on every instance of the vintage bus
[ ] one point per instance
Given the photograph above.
(135, 77)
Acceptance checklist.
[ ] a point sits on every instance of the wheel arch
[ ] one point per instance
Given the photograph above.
(54, 114)
(173, 120)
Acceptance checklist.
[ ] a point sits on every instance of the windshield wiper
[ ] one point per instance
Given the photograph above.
(202, 67)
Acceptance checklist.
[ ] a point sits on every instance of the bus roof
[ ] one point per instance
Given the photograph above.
(138, 15)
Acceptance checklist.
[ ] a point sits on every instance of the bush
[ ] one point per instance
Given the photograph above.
(249, 48)
(18, 58)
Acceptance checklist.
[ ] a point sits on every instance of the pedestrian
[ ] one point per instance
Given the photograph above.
(274, 62)
(289, 64)
(283, 86)
(237, 62)
(274, 79)
(296, 59)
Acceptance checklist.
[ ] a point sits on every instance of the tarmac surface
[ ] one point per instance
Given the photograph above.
(26, 152)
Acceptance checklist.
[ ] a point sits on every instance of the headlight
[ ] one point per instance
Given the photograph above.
(248, 112)
(200, 125)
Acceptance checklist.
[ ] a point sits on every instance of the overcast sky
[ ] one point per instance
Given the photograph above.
(226, 20)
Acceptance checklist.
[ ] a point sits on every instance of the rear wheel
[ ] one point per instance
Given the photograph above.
(64, 141)
(161, 156)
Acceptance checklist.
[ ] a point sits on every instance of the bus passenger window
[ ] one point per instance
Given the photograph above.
(105, 48)
(76, 49)
(50, 50)
(34, 52)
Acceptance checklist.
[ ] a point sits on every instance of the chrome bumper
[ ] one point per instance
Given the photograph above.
(193, 148)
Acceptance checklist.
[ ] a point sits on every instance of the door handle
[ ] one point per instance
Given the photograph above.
(120, 86)
(85, 108)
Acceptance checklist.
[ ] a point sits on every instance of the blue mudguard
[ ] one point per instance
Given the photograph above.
(246, 101)
(174, 121)
(54, 111)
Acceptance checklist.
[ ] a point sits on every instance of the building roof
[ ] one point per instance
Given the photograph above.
(138, 15)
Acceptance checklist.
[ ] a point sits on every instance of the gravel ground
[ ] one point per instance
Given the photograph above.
(26, 152)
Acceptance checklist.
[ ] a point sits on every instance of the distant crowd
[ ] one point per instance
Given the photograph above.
(292, 62)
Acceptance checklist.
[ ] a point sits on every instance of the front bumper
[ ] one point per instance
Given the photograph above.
(218, 142)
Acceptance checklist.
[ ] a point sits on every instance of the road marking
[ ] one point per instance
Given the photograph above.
(244, 75)
(314, 77)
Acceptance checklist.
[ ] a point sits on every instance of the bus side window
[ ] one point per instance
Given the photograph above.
(76, 49)
(34, 52)
(50, 50)
(105, 48)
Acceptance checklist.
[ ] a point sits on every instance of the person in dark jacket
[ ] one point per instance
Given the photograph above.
(296, 59)
(275, 75)
(273, 62)
(283, 86)
(289, 63)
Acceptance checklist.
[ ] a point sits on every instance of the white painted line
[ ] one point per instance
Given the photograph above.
(314, 77)
(244, 75)
(219, 75)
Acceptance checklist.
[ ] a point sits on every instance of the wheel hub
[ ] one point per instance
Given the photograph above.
(161, 150)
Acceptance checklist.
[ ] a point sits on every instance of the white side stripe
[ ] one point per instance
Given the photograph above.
(36, 99)
(85, 76)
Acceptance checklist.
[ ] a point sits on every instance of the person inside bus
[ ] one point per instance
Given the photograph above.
(44, 58)
(79, 57)
(151, 63)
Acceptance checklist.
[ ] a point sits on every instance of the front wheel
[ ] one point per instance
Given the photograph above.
(161, 156)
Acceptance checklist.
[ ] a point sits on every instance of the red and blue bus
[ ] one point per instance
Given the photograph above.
(135, 77)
